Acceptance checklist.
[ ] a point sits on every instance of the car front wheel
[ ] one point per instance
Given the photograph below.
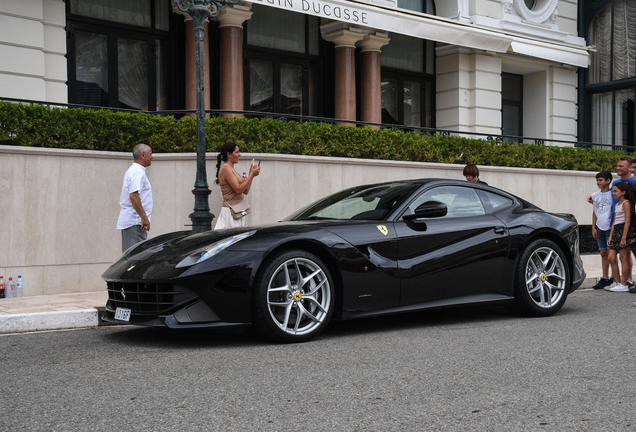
(542, 280)
(293, 297)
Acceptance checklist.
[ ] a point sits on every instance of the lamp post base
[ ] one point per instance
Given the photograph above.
(201, 217)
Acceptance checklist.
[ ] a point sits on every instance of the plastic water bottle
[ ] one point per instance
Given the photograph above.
(10, 290)
(19, 289)
(1, 286)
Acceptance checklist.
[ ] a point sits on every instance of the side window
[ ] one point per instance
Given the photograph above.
(460, 201)
(494, 202)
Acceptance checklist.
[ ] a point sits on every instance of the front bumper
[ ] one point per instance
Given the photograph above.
(161, 304)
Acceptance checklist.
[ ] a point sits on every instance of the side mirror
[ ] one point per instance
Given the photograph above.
(429, 209)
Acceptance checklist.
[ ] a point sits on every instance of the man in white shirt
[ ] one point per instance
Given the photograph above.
(136, 199)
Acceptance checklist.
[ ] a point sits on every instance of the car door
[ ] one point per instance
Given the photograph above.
(461, 253)
(369, 271)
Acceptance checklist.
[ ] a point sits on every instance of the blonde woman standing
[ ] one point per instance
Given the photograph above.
(233, 185)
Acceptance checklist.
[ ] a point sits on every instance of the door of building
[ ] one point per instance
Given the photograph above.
(280, 84)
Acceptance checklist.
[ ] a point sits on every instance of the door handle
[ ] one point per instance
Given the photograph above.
(500, 230)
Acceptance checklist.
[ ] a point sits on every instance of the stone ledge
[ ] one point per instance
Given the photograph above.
(26, 322)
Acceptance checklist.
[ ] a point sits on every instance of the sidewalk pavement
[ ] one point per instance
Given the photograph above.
(83, 309)
(51, 312)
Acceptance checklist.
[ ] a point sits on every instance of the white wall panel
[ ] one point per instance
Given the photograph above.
(32, 50)
(21, 87)
(54, 12)
(487, 8)
(56, 92)
(55, 67)
(20, 31)
(20, 60)
(60, 207)
(24, 8)
(54, 40)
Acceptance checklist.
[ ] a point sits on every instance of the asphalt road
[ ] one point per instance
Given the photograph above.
(455, 370)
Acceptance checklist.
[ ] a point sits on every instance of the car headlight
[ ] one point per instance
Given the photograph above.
(211, 250)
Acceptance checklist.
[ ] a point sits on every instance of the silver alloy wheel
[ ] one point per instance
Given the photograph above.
(298, 296)
(545, 277)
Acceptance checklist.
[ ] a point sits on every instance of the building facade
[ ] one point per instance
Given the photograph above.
(512, 67)
(606, 88)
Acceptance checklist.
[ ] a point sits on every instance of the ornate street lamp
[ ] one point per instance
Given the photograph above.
(200, 10)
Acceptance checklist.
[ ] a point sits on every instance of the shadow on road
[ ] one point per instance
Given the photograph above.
(206, 338)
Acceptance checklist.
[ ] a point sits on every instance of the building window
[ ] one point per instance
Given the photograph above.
(511, 106)
(91, 68)
(425, 6)
(408, 75)
(281, 58)
(407, 100)
(408, 81)
(612, 74)
(121, 65)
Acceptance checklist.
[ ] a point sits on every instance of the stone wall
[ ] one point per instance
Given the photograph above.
(59, 208)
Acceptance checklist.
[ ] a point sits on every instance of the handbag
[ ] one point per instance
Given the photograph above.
(239, 210)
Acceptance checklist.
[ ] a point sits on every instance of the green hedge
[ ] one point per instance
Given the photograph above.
(42, 126)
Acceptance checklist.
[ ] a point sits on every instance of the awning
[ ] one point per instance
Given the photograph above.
(558, 53)
(430, 27)
(422, 26)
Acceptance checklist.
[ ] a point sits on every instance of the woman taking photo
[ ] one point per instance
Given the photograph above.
(233, 185)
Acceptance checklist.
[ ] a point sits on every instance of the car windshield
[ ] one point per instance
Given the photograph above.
(372, 202)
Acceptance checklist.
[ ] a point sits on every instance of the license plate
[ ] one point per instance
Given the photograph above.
(122, 314)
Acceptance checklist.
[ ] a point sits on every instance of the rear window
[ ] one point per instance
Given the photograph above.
(494, 202)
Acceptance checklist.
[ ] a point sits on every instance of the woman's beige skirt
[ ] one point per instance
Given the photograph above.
(225, 220)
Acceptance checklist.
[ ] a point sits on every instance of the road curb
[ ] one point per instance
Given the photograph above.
(26, 322)
(589, 282)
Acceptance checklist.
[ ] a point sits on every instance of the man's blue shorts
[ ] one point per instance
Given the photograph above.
(603, 237)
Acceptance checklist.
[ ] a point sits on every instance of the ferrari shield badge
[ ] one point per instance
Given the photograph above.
(383, 229)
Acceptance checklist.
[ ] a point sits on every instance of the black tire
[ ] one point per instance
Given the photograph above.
(542, 279)
(286, 308)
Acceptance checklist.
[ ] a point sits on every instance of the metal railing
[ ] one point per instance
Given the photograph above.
(499, 138)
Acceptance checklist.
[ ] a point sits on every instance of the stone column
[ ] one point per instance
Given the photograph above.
(345, 40)
(371, 97)
(191, 66)
(231, 77)
(561, 101)
(468, 90)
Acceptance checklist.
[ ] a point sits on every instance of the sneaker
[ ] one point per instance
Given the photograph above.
(603, 282)
(619, 288)
(609, 287)
(632, 289)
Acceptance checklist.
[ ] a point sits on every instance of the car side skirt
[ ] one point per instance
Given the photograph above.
(468, 300)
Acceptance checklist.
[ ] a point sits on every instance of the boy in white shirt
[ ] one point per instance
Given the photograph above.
(601, 224)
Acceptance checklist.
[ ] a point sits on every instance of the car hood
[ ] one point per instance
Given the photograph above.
(182, 243)
(160, 255)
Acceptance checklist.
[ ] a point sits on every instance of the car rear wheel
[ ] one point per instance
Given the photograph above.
(542, 280)
(293, 297)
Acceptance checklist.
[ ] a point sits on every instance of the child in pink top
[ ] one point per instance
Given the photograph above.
(622, 234)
